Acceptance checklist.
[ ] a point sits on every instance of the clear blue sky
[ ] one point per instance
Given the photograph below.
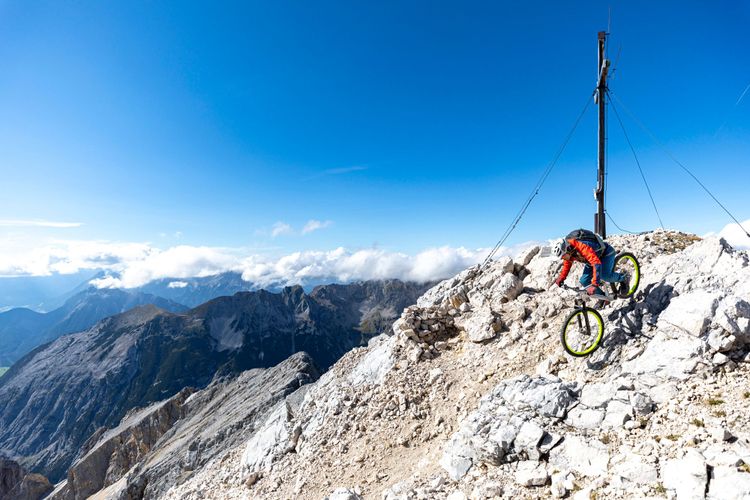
(406, 124)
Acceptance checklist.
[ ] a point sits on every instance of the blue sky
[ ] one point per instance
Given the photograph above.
(397, 125)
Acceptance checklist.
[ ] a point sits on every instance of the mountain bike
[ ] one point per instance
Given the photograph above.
(583, 329)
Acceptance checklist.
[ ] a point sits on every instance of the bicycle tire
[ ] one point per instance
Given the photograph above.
(626, 261)
(572, 321)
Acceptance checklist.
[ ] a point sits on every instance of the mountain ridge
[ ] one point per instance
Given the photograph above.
(61, 393)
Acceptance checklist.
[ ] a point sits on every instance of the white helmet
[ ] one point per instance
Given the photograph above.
(561, 247)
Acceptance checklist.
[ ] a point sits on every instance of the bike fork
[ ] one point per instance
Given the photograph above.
(585, 319)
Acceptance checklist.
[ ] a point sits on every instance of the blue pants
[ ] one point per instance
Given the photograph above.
(605, 271)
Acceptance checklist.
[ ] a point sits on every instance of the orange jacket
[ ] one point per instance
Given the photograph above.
(583, 253)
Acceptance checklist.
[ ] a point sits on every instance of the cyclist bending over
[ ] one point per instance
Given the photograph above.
(588, 247)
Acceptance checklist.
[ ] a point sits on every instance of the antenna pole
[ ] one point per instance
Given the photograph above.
(601, 91)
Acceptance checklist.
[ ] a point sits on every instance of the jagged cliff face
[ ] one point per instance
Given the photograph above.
(474, 397)
(53, 399)
(159, 446)
(16, 483)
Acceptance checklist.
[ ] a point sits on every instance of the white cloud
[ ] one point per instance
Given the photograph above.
(280, 228)
(38, 223)
(182, 261)
(735, 235)
(177, 284)
(67, 257)
(314, 225)
(135, 264)
(342, 265)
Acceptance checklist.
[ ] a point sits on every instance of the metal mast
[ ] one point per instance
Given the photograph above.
(600, 226)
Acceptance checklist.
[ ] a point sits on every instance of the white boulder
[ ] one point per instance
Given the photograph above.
(690, 312)
(588, 458)
(687, 476)
(531, 473)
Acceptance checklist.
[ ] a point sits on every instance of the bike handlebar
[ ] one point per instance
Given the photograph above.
(583, 293)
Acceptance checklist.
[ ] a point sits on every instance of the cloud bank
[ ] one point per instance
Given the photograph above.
(343, 265)
(135, 264)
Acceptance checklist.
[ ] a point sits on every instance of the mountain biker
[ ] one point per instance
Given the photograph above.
(588, 247)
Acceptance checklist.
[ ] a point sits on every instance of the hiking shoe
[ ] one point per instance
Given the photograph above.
(625, 284)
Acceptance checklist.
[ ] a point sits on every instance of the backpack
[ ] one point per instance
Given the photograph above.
(588, 236)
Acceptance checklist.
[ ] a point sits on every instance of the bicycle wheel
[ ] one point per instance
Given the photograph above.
(627, 263)
(582, 332)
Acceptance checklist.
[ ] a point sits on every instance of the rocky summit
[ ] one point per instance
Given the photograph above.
(472, 396)
(57, 397)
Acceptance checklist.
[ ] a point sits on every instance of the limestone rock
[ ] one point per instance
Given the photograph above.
(618, 413)
(728, 483)
(526, 256)
(691, 312)
(529, 436)
(634, 469)
(596, 395)
(344, 494)
(507, 288)
(549, 397)
(620, 423)
(481, 324)
(508, 422)
(585, 418)
(586, 457)
(673, 357)
(531, 473)
(457, 495)
(687, 476)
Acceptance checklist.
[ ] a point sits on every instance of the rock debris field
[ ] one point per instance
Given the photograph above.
(471, 396)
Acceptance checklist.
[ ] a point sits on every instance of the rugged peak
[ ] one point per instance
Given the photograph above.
(138, 316)
(473, 396)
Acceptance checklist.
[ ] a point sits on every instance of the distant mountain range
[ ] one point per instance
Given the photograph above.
(40, 293)
(47, 293)
(57, 396)
(21, 329)
(196, 291)
(81, 305)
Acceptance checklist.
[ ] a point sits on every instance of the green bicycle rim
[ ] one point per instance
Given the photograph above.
(636, 278)
(598, 338)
